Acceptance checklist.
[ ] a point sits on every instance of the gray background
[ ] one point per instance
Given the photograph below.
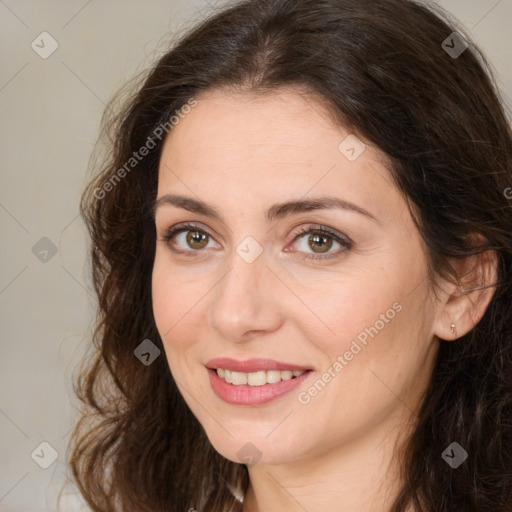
(50, 115)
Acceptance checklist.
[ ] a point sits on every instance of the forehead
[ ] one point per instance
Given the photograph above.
(286, 119)
(286, 124)
(241, 146)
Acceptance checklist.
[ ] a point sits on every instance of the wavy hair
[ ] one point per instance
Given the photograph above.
(381, 67)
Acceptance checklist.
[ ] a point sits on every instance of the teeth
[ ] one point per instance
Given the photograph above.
(273, 376)
(238, 378)
(257, 378)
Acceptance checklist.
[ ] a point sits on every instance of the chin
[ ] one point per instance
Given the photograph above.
(257, 449)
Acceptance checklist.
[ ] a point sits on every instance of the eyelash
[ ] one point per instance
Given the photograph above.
(343, 241)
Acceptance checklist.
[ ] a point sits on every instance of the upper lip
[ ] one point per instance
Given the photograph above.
(252, 365)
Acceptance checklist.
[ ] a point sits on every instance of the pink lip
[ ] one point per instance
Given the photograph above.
(252, 365)
(252, 395)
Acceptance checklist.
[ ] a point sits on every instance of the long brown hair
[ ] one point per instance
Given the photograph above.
(383, 69)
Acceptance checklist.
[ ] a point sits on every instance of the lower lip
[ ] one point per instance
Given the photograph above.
(253, 395)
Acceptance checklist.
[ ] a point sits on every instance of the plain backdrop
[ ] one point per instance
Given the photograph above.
(51, 107)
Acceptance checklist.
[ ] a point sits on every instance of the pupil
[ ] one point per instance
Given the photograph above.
(318, 238)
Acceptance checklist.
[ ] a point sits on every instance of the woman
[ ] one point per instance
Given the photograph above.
(302, 251)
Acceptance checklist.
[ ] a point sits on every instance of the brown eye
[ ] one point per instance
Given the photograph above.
(195, 239)
(318, 241)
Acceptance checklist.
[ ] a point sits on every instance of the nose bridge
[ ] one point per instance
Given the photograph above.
(248, 266)
(242, 303)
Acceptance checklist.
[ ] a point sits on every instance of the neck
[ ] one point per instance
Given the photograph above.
(360, 476)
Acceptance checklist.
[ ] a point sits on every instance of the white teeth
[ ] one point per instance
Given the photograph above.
(273, 376)
(238, 378)
(257, 378)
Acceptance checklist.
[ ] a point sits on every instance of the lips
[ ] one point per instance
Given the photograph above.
(250, 395)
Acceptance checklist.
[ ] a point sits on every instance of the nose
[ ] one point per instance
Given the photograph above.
(248, 300)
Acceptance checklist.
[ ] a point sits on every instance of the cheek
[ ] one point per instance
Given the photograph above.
(172, 299)
(371, 361)
(174, 293)
(163, 294)
(170, 306)
(373, 323)
(179, 298)
(347, 307)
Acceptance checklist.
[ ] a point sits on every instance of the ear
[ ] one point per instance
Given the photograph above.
(463, 304)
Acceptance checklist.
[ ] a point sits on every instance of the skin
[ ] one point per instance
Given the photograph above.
(242, 153)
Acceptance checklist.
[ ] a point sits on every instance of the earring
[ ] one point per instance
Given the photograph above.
(453, 330)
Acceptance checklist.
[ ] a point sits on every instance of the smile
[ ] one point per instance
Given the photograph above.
(254, 382)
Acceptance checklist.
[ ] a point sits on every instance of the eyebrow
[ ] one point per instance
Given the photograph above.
(275, 212)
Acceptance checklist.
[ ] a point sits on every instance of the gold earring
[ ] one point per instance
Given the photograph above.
(453, 330)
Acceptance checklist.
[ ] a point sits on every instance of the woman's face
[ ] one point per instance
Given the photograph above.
(246, 295)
